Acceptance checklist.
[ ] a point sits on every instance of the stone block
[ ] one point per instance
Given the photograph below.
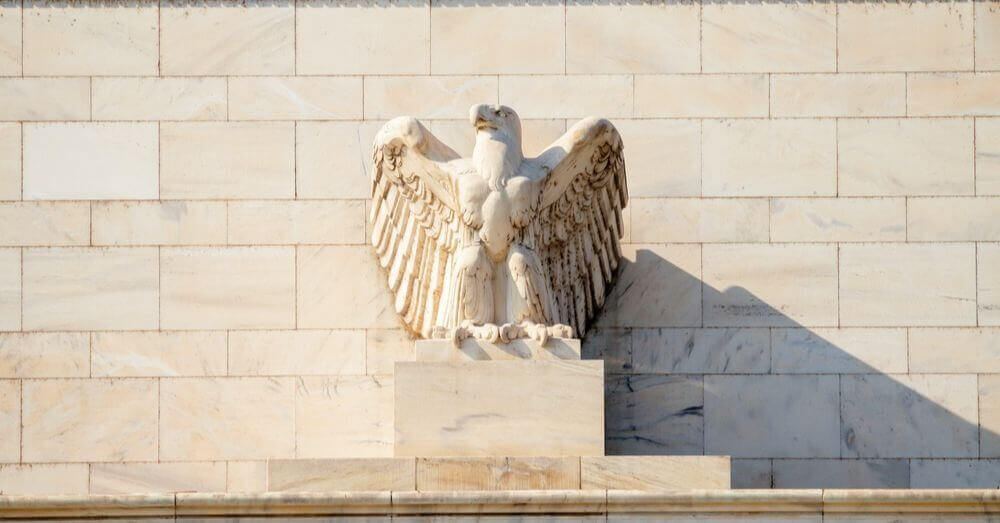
(612, 345)
(157, 353)
(795, 157)
(89, 420)
(387, 97)
(752, 474)
(953, 94)
(741, 290)
(296, 352)
(146, 98)
(10, 422)
(10, 161)
(525, 28)
(955, 474)
(40, 480)
(658, 286)
(664, 157)
(845, 95)
(202, 39)
(838, 351)
(699, 220)
(987, 31)
(905, 157)
(335, 289)
(333, 159)
(384, 347)
(966, 350)
(649, 38)
(769, 37)
(908, 416)
(499, 408)
(953, 219)
(838, 219)
(472, 349)
(571, 97)
(90, 161)
(341, 474)
(90, 40)
(700, 351)
(88, 288)
(911, 284)
(841, 473)
(343, 416)
(11, 289)
(701, 96)
(905, 37)
(10, 38)
(654, 472)
(772, 416)
(227, 287)
(297, 222)
(989, 415)
(350, 38)
(231, 160)
(498, 473)
(246, 476)
(295, 98)
(988, 283)
(48, 98)
(44, 355)
(158, 223)
(988, 156)
(654, 415)
(134, 478)
(45, 223)
(226, 418)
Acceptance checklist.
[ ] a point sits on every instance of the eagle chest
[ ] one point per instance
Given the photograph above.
(497, 214)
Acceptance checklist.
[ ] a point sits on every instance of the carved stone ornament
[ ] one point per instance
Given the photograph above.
(498, 246)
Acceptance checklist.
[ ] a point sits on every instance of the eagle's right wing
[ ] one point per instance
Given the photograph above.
(415, 218)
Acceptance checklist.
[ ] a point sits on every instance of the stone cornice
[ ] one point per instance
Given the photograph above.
(505, 502)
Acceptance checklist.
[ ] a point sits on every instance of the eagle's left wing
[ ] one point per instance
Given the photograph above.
(579, 222)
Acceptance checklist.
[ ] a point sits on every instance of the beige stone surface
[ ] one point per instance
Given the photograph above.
(692, 351)
(498, 473)
(333, 159)
(664, 157)
(385, 347)
(988, 283)
(295, 98)
(246, 476)
(89, 420)
(10, 38)
(44, 99)
(659, 286)
(135, 478)
(146, 98)
(227, 160)
(426, 97)
(989, 415)
(742, 289)
(769, 158)
(254, 38)
(343, 416)
(335, 289)
(90, 161)
(36, 480)
(158, 223)
(988, 156)
(769, 37)
(905, 157)
(839, 351)
(913, 284)
(987, 30)
(838, 219)
(10, 161)
(701, 96)
(45, 223)
(953, 219)
(81, 288)
(188, 353)
(576, 96)
(337, 38)
(953, 94)
(838, 95)
(11, 273)
(247, 418)
(10, 423)
(533, 37)
(341, 474)
(297, 222)
(296, 353)
(44, 355)
(954, 350)
(683, 220)
(227, 287)
(905, 36)
(654, 472)
(90, 40)
(472, 409)
(472, 349)
(648, 38)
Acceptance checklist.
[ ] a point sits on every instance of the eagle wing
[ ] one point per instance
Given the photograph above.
(414, 218)
(579, 222)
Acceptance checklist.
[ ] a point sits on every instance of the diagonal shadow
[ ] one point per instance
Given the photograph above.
(795, 407)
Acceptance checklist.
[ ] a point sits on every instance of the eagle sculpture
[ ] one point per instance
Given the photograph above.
(498, 246)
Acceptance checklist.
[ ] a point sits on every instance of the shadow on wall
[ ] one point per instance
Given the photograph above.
(795, 407)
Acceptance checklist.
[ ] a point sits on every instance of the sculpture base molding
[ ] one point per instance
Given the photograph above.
(472, 349)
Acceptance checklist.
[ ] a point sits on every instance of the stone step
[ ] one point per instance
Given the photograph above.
(504, 473)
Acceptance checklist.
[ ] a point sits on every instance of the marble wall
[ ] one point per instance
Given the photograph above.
(812, 281)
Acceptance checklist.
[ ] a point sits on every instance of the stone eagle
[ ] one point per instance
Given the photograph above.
(498, 246)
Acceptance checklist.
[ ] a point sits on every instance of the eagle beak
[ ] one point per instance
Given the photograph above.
(478, 117)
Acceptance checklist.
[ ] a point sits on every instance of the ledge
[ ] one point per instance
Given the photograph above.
(505, 502)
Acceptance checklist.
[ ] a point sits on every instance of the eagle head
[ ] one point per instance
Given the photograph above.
(499, 121)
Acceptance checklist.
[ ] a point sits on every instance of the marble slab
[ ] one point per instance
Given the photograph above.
(654, 472)
(472, 349)
(340, 474)
(499, 473)
(499, 408)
